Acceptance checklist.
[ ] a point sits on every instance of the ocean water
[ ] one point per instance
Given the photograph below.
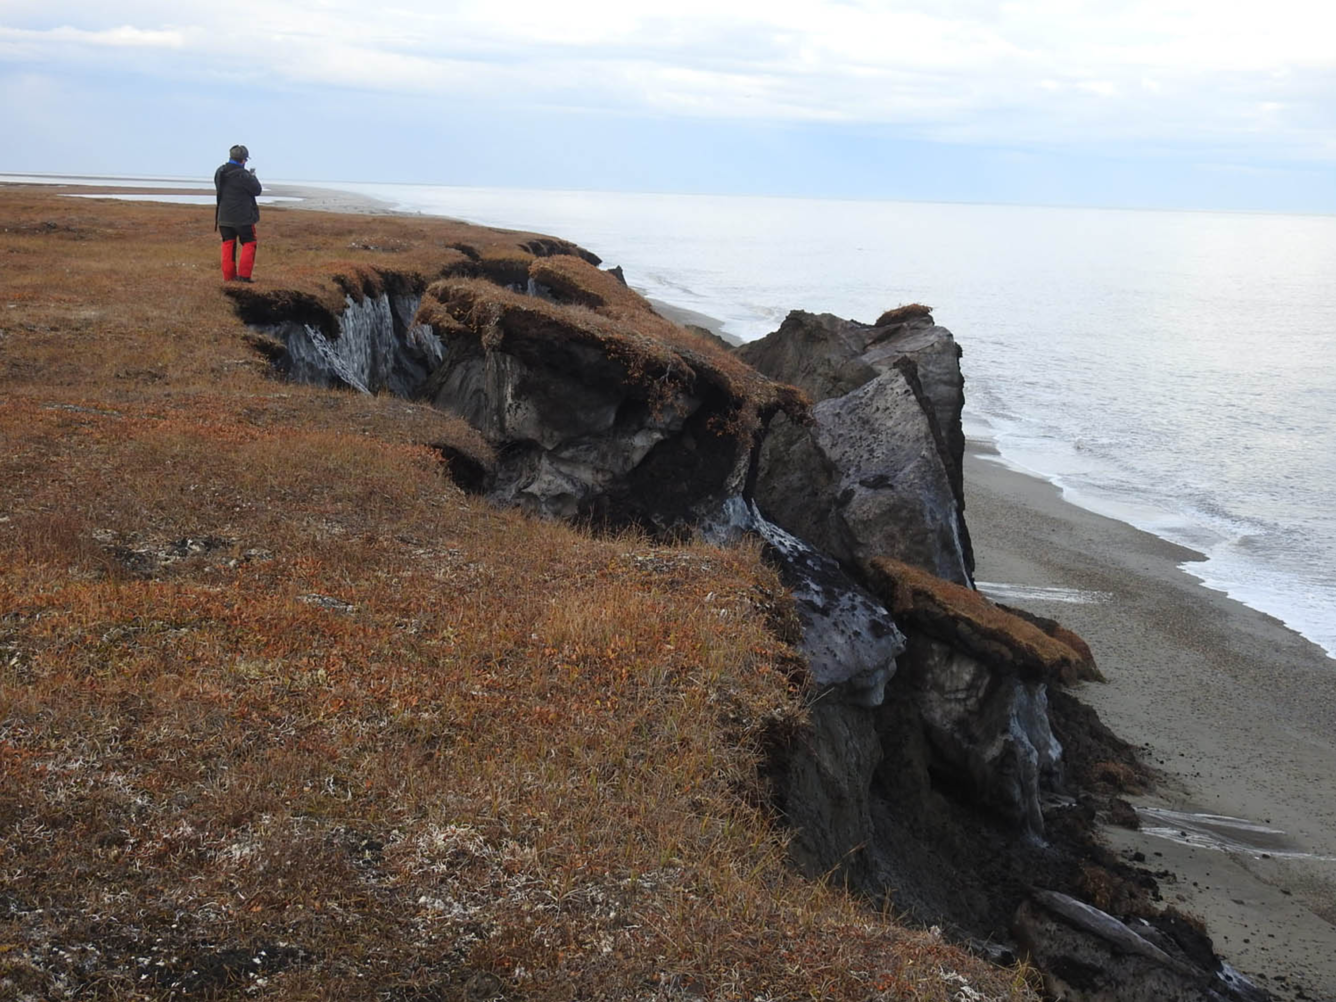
(1175, 370)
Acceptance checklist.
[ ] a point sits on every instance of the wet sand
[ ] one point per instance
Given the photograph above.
(1236, 711)
(331, 200)
(692, 318)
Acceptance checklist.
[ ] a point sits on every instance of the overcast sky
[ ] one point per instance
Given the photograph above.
(1166, 103)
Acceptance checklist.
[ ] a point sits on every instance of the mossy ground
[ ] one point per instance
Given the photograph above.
(284, 714)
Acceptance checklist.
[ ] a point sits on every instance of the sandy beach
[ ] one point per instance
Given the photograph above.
(1236, 711)
(330, 200)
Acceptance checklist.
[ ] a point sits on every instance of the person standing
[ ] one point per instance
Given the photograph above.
(237, 213)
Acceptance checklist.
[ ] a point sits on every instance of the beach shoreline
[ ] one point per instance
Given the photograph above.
(1234, 710)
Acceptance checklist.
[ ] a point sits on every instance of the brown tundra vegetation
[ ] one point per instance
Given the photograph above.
(286, 714)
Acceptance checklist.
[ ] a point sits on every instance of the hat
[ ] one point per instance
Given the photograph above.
(239, 152)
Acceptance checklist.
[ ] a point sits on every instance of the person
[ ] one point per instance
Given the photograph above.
(236, 213)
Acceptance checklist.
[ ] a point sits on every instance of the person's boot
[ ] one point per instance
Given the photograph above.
(247, 264)
(229, 262)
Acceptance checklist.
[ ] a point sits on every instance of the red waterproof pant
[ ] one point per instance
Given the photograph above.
(232, 235)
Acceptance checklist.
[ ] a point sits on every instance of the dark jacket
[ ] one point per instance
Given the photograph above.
(236, 188)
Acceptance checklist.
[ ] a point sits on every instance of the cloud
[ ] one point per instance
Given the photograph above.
(1031, 72)
(124, 37)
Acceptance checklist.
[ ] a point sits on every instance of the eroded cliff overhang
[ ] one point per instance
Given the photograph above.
(597, 406)
(594, 406)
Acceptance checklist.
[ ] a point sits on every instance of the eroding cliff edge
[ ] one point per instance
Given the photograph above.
(886, 448)
(932, 773)
(598, 408)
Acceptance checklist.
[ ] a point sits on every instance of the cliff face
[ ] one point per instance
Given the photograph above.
(377, 345)
(596, 407)
(929, 771)
(591, 416)
(884, 457)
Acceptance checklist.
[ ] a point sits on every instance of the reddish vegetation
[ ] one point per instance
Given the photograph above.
(961, 615)
(901, 314)
(628, 315)
(571, 280)
(284, 714)
(1084, 668)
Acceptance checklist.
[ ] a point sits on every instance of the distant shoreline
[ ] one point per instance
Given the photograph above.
(306, 196)
(691, 318)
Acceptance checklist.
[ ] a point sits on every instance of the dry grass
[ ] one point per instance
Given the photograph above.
(571, 280)
(1083, 667)
(283, 714)
(955, 613)
(1112, 893)
(575, 281)
(901, 314)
